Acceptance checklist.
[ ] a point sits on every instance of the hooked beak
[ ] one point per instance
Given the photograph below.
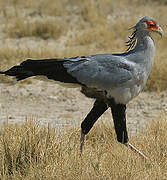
(160, 31)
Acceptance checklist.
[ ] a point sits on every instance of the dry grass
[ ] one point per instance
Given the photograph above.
(29, 151)
(47, 28)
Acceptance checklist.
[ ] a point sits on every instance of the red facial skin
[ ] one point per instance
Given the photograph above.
(153, 26)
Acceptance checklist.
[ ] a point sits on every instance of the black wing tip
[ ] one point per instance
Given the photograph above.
(2, 72)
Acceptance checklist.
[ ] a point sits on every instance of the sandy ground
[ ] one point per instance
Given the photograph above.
(47, 102)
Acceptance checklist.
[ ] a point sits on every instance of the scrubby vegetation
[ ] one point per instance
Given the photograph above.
(29, 151)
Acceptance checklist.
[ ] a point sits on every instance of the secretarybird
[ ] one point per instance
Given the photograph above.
(111, 79)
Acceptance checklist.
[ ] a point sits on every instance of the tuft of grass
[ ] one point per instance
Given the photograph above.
(43, 28)
(106, 33)
(31, 151)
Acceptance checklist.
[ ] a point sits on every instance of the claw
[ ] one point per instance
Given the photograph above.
(82, 142)
(136, 150)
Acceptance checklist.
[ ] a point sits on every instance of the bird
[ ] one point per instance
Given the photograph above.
(112, 80)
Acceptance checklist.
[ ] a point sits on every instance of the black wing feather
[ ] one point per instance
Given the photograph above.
(51, 68)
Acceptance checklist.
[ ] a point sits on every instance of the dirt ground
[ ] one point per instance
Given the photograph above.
(47, 102)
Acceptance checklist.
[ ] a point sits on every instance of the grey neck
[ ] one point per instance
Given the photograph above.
(144, 51)
(144, 42)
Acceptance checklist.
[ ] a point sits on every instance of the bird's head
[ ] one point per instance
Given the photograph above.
(144, 27)
(148, 24)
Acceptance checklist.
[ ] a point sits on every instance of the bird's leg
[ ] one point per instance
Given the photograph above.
(119, 117)
(98, 109)
(82, 141)
(135, 150)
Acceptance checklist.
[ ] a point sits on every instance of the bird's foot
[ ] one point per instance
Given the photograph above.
(82, 142)
(136, 150)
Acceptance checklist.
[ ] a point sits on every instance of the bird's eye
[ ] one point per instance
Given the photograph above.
(152, 25)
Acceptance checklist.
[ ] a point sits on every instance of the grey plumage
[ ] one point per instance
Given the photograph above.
(101, 71)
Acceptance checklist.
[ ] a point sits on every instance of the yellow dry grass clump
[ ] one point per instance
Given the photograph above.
(29, 151)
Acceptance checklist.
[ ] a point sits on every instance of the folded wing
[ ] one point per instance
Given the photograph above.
(102, 71)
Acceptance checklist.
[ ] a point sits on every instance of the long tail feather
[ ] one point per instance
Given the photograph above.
(51, 68)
